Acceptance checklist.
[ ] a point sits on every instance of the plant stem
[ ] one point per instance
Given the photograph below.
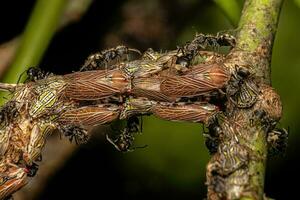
(237, 170)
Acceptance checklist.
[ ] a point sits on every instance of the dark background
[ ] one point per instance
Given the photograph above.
(173, 164)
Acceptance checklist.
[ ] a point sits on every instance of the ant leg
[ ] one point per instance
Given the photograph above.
(76, 133)
(125, 139)
(123, 142)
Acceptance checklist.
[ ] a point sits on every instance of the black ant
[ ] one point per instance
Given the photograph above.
(32, 169)
(34, 74)
(212, 137)
(201, 42)
(76, 133)
(242, 89)
(97, 60)
(125, 139)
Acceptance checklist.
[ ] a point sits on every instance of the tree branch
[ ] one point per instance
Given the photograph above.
(237, 169)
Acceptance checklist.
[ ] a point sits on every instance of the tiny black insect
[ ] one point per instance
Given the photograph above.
(32, 169)
(76, 133)
(125, 139)
(242, 89)
(34, 74)
(212, 137)
(201, 42)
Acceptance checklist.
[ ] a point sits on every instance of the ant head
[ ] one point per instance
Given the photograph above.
(242, 71)
(32, 71)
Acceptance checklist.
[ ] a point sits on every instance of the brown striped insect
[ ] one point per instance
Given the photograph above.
(199, 113)
(89, 115)
(95, 85)
(150, 88)
(40, 131)
(187, 112)
(200, 80)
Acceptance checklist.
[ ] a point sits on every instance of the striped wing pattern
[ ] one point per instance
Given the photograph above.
(90, 115)
(200, 80)
(4, 139)
(149, 88)
(186, 86)
(187, 113)
(94, 85)
(89, 90)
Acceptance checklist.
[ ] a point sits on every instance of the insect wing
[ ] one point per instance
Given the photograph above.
(4, 139)
(90, 115)
(182, 112)
(38, 136)
(150, 88)
(200, 80)
(93, 85)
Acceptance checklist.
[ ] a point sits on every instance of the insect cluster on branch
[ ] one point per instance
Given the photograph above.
(173, 85)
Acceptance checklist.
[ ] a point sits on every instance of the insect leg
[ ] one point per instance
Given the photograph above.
(76, 133)
(102, 59)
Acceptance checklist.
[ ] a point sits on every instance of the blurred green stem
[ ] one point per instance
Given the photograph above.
(231, 9)
(40, 29)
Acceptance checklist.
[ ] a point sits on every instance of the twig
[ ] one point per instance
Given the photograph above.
(237, 170)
